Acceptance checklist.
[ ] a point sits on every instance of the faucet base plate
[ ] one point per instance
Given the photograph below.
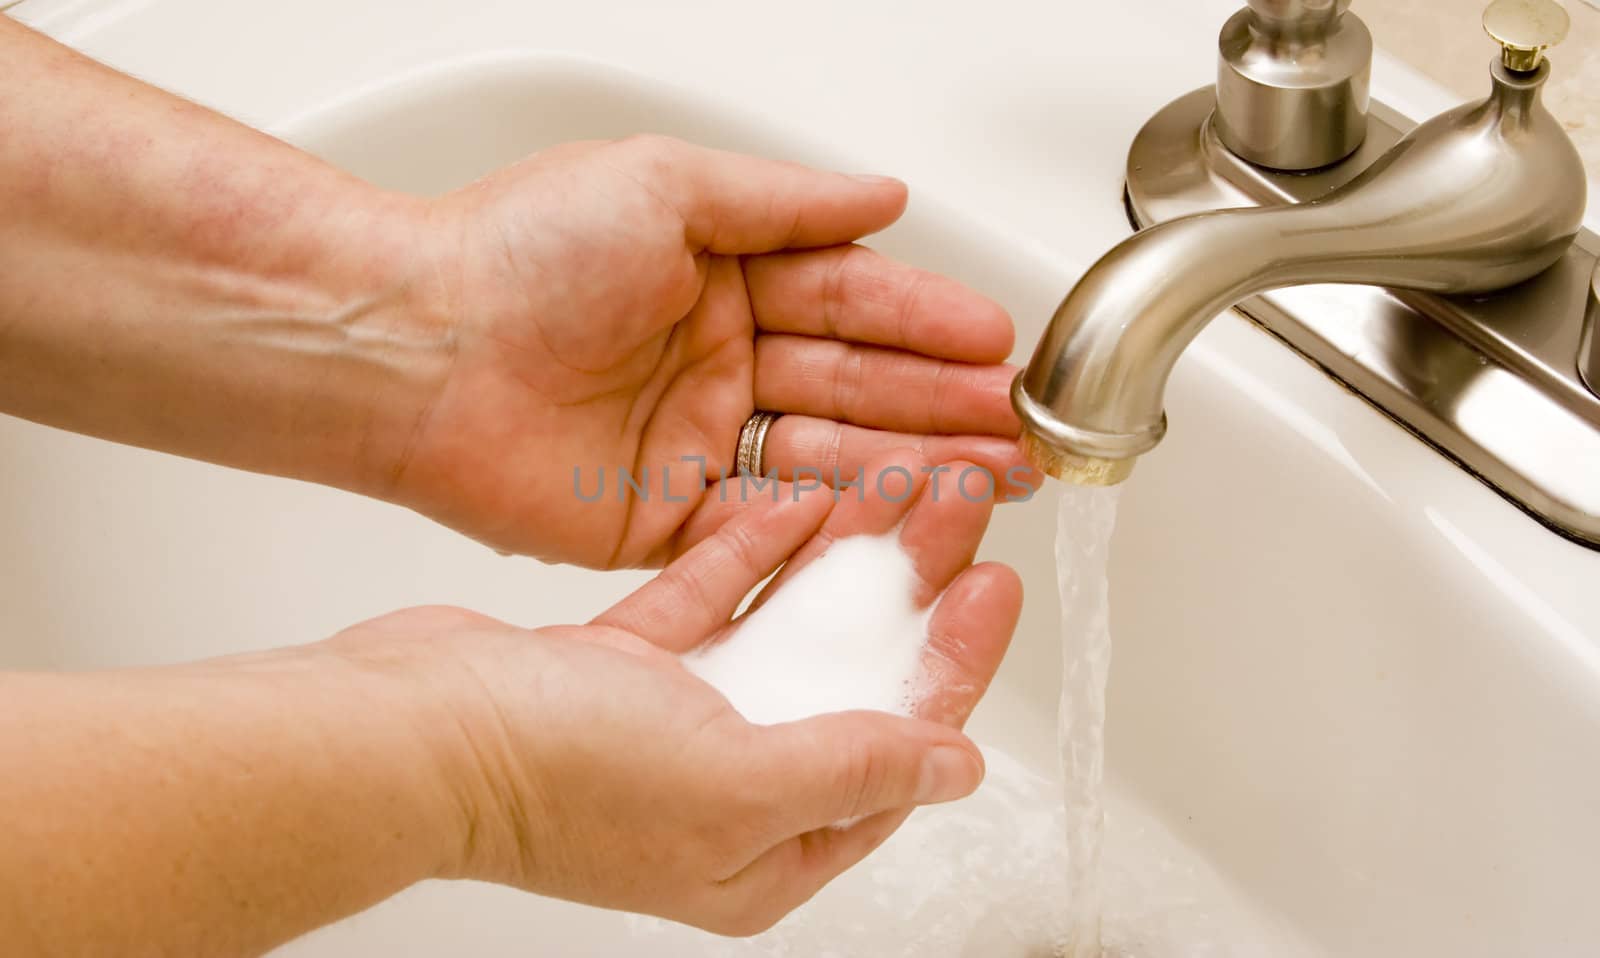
(1489, 380)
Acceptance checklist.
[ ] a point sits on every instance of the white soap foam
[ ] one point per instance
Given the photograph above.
(843, 633)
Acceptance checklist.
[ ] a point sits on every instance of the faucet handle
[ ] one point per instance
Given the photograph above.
(1292, 81)
(1524, 29)
(1297, 17)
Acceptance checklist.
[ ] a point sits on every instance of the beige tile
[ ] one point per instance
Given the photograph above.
(1445, 40)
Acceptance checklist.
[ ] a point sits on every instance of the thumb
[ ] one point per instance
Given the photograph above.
(735, 204)
(848, 765)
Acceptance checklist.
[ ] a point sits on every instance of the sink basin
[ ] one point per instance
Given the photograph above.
(1355, 696)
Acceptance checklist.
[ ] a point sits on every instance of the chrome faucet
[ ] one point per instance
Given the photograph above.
(1297, 184)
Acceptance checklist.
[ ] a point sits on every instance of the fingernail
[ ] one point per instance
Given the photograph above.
(948, 773)
(873, 178)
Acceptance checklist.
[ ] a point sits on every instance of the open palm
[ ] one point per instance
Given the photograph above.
(628, 305)
(592, 766)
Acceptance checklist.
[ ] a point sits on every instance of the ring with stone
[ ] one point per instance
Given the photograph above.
(747, 459)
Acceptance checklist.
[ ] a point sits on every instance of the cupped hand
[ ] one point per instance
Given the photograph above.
(590, 765)
(628, 305)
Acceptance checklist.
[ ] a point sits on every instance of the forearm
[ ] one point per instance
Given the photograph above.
(175, 280)
(217, 809)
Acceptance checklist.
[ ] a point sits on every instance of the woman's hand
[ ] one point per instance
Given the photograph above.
(590, 765)
(628, 305)
(218, 294)
(225, 807)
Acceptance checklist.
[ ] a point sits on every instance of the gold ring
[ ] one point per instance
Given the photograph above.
(747, 459)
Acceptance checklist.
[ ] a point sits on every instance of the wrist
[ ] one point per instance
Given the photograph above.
(406, 740)
(380, 348)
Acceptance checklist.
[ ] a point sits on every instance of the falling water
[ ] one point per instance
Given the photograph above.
(1084, 522)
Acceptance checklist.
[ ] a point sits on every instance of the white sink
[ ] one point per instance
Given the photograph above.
(1355, 684)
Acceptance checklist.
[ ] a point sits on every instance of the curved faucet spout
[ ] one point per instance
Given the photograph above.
(1476, 199)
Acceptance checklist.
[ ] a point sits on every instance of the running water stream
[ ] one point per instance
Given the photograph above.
(1084, 522)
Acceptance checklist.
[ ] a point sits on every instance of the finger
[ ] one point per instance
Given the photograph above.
(722, 502)
(791, 873)
(734, 204)
(890, 484)
(696, 595)
(882, 388)
(844, 766)
(852, 293)
(941, 517)
(967, 637)
(842, 783)
(943, 529)
(801, 447)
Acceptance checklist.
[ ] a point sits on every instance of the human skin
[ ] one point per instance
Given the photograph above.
(177, 281)
(224, 807)
(174, 280)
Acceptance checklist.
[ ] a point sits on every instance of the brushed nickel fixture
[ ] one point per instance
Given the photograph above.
(1439, 270)
(1292, 81)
